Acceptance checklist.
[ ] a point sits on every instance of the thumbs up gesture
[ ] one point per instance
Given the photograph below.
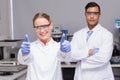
(64, 44)
(25, 46)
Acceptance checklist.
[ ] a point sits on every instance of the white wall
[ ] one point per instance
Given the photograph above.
(67, 13)
(4, 19)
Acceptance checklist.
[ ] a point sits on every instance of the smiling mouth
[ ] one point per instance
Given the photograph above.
(91, 20)
(43, 34)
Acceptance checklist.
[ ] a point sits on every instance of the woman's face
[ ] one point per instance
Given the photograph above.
(43, 29)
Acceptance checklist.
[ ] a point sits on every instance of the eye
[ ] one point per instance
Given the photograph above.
(46, 25)
(95, 13)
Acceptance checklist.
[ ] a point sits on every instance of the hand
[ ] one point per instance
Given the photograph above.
(64, 44)
(25, 46)
(95, 50)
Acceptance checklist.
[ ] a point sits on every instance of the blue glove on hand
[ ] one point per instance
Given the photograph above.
(95, 50)
(25, 47)
(64, 44)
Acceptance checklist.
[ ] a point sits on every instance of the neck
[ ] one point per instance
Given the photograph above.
(45, 41)
(91, 26)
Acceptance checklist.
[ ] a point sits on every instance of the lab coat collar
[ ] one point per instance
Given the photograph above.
(41, 43)
(97, 27)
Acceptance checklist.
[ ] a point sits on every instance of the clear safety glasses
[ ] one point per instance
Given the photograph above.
(92, 13)
(43, 27)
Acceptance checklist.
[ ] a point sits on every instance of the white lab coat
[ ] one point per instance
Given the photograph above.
(42, 61)
(97, 66)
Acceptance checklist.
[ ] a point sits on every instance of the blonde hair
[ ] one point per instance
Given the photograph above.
(41, 15)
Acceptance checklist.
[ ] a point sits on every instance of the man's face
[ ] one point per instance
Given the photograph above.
(92, 16)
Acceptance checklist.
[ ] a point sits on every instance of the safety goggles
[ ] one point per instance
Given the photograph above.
(94, 13)
(42, 27)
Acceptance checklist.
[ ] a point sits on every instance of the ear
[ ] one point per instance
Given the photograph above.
(100, 14)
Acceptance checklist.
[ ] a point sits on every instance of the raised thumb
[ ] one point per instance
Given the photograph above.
(27, 38)
(62, 38)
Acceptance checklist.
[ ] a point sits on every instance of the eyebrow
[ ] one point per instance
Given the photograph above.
(92, 12)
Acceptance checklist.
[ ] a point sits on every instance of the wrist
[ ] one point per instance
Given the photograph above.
(25, 54)
(90, 52)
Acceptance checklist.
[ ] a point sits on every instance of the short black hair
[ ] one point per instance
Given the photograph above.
(92, 4)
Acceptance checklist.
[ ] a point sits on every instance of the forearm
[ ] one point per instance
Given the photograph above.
(25, 59)
(66, 57)
(79, 54)
(99, 59)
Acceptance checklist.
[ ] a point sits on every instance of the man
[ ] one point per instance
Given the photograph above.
(92, 48)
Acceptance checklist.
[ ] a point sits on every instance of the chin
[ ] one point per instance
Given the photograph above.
(45, 38)
(93, 24)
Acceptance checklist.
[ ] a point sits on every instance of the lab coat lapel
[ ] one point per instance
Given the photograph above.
(92, 38)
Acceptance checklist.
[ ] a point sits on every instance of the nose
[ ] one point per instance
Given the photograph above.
(42, 30)
(92, 15)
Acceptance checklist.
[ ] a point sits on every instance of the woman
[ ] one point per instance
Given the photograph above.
(41, 55)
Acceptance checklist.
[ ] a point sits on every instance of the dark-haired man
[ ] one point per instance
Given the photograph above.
(92, 48)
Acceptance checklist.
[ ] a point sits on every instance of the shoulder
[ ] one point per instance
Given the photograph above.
(55, 43)
(34, 42)
(105, 31)
(80, 32)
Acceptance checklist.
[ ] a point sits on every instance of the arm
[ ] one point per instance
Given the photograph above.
(102, 57)
(65, 50)
(64, 53)
(24, 55)
(78, 52)
(65, 57)
(25, 59)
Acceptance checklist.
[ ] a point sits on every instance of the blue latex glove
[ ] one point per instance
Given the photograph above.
(64, 44)
(95, 50)
(25, 46)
